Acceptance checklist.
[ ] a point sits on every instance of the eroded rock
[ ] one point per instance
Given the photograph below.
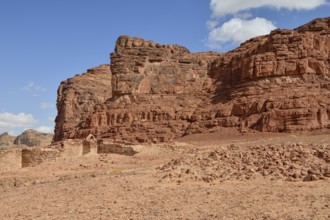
(77, 98)
(155, 93)
(6, 140)
(32, 138)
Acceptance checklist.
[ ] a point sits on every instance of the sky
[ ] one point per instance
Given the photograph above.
(43, 42)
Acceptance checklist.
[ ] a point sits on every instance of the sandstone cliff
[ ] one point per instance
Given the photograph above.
(77, 98)
(278, 82)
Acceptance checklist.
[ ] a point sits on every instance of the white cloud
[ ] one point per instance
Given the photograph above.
(9, 120)
(238, 30)
(51, 119)
(46, 105)
(45, 129)
(222, 8)
(32, 87)
(212, 24)
(244, 15)
(242, 24)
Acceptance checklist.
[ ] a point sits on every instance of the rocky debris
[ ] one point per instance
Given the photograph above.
(32, 138)
(6, 140)
(276, 83)
(291, 162)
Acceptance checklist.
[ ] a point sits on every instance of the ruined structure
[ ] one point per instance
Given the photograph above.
(154, 93)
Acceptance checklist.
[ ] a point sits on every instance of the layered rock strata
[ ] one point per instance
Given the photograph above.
(33, 138)
(279, 82)
(77, 98)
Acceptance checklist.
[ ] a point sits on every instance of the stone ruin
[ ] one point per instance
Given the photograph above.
(28, 157)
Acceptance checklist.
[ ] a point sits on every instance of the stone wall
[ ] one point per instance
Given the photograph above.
(108, 146)
(29, 157)
(89, 147)
(35, 156)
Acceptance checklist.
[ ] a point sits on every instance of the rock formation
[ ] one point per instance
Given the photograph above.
(279, 82)
(32, 138)
(77, 98)
(6, 140)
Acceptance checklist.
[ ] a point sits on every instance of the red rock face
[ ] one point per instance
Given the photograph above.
(77, 98)
(279, 82)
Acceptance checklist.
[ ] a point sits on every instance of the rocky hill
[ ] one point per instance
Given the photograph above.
(32, 138)
(6, 140)
(29, 138)
(152, 92)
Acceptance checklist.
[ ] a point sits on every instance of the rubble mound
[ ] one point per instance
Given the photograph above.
(291, 162)
(156, 93)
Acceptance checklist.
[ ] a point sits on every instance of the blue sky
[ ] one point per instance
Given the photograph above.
(43, 42)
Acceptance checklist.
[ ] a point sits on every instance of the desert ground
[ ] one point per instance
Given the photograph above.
(223, 175)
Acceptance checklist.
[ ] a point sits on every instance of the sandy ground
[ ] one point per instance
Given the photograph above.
(134, 187)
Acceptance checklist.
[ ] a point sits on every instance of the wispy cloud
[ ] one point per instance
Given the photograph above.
(46, 105)
(33, 88)
(221, 8)
(51, 119)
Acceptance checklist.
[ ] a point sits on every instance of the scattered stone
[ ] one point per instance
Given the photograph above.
(234, 163)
